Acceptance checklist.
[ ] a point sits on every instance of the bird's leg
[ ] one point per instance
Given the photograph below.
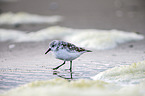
(70, 66)
(59, 66)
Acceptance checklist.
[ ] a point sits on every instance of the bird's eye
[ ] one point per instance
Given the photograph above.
(52, 45)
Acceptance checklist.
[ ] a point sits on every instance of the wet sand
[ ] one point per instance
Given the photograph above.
(27, 62)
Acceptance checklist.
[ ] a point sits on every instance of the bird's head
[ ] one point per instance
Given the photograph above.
(52, 46)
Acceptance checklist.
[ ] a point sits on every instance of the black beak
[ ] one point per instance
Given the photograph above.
(47, 51)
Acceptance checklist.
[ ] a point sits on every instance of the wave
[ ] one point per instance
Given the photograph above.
(102, 39)
(89, 38)
(82, 87)
(127, 74)
(10, 18)
(41, 35)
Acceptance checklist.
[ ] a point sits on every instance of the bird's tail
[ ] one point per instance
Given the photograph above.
(88, 51)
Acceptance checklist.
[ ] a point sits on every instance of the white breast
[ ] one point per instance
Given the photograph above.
(63, 54)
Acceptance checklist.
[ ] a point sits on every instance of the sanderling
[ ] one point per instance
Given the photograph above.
(65, 51)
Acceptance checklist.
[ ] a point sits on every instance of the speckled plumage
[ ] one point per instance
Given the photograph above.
(69, 47)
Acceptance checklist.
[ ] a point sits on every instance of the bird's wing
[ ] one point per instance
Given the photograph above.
(73, 48)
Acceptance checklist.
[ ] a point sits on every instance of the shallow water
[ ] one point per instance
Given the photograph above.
(17, 68)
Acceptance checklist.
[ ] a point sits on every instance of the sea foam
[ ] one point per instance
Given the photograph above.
(102, 39)
(41, 35)
(126, 74)
(82, 87)
(88, 38)
(26, 18)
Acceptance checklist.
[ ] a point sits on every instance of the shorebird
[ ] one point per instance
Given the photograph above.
(65, 51)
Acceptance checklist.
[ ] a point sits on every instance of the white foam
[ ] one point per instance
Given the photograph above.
(26, 18)
(13, 35)
(88, 38)
(61, 87)
(102, 39)
(127, 74)
(41, 35)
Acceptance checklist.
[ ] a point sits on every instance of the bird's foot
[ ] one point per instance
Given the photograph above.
(55, 72)
(55, 68)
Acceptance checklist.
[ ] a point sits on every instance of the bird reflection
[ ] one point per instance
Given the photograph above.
(70, 77)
